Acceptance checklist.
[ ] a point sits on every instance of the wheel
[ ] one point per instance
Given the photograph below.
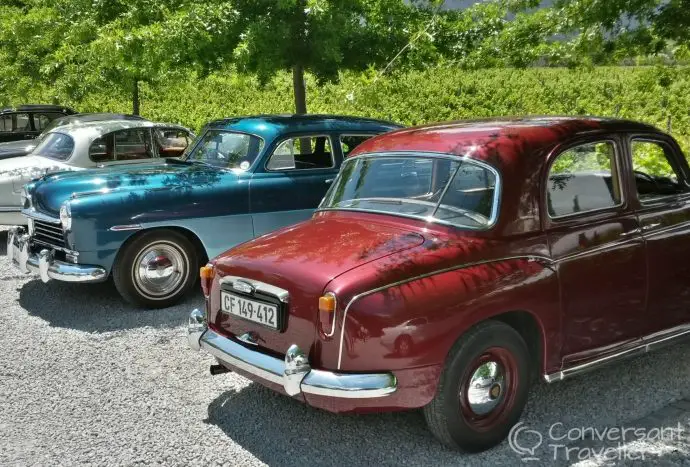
(483, 388)
(156, 269)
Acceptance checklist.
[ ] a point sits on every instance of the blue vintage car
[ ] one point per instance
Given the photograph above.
(151, 226)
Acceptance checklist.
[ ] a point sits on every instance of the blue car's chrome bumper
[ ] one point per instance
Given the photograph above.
(44, 264)
(294, 373)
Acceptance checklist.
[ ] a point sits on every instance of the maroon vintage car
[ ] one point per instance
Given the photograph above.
(449, 265)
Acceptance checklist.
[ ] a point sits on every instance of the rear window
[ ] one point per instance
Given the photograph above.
(451, 190)
(58, 146)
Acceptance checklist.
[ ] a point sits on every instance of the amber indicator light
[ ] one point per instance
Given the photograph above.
(327, 303)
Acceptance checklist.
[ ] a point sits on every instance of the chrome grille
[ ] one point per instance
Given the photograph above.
(49, 234)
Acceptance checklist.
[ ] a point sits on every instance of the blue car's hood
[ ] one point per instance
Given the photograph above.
(51, 191)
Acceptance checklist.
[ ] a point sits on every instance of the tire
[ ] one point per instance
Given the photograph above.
(172, 262)
(478, 420)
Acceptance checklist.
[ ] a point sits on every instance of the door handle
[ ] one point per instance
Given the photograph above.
(329, 181)
(648, 227)
(630, 233)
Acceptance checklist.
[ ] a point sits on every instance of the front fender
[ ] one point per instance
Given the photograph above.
(415, 323)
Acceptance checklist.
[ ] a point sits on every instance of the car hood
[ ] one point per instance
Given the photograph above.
(307, 256)
(51, 191)
(17, 148)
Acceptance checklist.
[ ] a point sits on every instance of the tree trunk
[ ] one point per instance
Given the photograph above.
(135, 98)
(299, 89)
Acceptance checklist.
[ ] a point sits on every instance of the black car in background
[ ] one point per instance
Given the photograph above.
(28, 121)
(24, 147)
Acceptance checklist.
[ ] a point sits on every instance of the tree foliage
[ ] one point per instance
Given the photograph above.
(80, 47)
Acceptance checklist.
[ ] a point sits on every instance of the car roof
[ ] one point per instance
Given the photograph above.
(39, 108)
(489, 138)
(270, 125)
(103, 127)
(93, 117)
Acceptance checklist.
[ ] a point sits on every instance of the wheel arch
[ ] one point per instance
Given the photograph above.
(189, 234)
(528, 325)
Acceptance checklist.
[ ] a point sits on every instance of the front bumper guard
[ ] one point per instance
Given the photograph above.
(44, 264)
(294, 373)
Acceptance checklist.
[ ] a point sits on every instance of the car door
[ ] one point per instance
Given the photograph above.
(292, 180)
(597, 247)
(662, 190)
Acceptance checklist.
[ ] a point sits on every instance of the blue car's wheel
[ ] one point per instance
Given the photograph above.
(156, 269)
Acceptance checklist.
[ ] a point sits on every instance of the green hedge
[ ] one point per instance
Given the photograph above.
(657, 95)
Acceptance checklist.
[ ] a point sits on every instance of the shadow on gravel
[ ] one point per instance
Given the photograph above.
(282, 431)
(97, 307)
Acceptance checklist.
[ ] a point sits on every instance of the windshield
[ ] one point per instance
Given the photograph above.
(454, 191)
(56, 146)
(226, 149)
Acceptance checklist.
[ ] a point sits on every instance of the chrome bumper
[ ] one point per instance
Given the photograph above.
(294, 373)
(44, 264)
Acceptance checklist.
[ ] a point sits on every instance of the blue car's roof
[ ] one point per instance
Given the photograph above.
(268, 126)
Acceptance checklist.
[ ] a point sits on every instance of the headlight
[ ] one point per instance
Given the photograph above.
(66, 216)
(25, 198)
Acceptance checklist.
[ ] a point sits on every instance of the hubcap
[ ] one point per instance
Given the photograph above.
(486, 388)
(159, 270)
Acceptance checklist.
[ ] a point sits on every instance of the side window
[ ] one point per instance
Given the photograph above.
(22, 123)
(304, 152)
(349, 142)
(6, 123)
(101, 149)
(171, 142)
(41, 120)
(583, 178)
(654, 174)
(132, 145)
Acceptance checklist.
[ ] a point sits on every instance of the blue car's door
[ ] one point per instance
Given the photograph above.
(292, 180)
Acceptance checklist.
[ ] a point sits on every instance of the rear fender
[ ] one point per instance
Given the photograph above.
(416, 323)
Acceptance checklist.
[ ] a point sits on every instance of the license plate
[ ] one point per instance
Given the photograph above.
(257, 312)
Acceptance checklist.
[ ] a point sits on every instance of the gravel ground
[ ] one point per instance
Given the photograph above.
(86, 379)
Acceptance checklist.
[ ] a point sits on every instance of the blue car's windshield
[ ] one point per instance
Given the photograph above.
(226, 149)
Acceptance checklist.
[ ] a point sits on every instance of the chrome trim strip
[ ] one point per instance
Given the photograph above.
(281, 294)
(647, 344)
(294, 374)
(649, 232)
(424, 276)
(596, 249)
(32, 213)
(120, 228)
(55, 247)
(10, 209)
